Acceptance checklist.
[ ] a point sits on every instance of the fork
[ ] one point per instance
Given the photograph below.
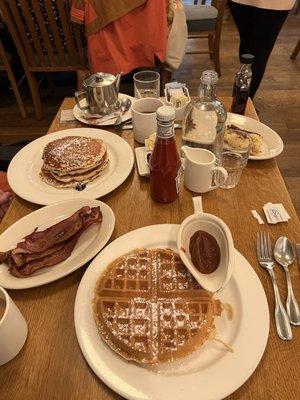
(264, 255)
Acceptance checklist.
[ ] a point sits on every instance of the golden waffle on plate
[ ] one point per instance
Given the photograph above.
(149, 309)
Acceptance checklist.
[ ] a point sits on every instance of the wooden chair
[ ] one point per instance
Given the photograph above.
(45, 38)
(6, 67)
(204, 21)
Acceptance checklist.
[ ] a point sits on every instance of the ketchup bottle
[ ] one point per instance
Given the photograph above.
(165, 162)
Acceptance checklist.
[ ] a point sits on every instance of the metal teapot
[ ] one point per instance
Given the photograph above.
(101, 93)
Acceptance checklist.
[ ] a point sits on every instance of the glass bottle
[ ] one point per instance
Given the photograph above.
(165, 163)
(204, 122)
(242, 84)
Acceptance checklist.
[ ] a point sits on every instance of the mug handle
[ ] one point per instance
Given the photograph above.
(223, 173)
(80, 95)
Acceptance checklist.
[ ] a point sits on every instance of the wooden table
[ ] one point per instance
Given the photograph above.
(51, 366)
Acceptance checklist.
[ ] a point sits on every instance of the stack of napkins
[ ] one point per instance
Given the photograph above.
(275, 213)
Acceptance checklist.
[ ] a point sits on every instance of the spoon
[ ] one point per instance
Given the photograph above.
(125, 105)
(209, 223)
(284, 255)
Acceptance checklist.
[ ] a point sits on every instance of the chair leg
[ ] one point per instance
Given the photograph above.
(296, 51)
(16, 92)
(216, 55)
(211, 45)
(34, 89)
(166, 76)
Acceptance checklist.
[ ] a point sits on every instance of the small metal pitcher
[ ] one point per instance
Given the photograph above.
(101, 92)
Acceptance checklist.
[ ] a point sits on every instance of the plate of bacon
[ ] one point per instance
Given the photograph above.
(53, 241)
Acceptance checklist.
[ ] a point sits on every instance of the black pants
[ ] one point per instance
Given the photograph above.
(258, 29)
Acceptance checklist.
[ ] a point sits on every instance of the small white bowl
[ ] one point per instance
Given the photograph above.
(218, 279)
(179, 112)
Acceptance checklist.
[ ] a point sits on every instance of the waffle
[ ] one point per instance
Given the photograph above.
(149, 309)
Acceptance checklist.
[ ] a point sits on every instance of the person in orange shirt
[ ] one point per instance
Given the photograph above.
(131, 41)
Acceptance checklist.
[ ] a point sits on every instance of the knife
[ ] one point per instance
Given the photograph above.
(130, 126)
(298, 253)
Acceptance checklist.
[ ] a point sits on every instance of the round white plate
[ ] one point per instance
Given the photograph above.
(273, 144)
(216, 372)
(89, 244)
(79, 115)
(23, 171)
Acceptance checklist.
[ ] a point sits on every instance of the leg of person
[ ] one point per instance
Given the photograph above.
(266, 27)
(243, 19)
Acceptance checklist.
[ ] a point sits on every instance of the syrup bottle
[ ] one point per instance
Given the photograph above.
(242, 85)
(165, 162)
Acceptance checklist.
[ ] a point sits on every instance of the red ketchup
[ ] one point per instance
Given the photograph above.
(165, 162)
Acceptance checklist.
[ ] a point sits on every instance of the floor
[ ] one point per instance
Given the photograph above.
(277, 101)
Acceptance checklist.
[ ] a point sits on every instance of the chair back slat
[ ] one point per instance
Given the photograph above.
(43, 30)
(55, 32)
(81, 50)
(15, 25)
(64, 11)
(31, 27)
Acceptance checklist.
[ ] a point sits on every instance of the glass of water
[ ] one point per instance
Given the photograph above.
(146, 84)
(234, 158)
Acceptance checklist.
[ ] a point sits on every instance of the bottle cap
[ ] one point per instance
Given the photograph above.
(247, 58)
(209, 77)
(165, 113)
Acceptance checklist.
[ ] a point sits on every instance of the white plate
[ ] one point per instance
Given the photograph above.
(273, 144)
(23, 171)
(218, 372)
(89, 244)
(79, 115)
(141, 160)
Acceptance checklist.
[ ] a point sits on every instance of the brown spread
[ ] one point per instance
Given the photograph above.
(205, 252)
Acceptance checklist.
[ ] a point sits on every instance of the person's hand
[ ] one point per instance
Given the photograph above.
(5, 200)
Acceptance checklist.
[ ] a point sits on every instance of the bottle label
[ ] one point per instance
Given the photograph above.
(165, 132)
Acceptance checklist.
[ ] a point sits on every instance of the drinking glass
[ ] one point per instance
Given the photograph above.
(146, 84)
(234, 158)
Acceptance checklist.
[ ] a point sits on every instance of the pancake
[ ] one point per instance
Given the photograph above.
(83, 177)
(73, 161)
(48, 178)
(73, 153)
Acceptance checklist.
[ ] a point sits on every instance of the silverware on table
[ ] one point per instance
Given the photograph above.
(264, 255)
(128, 125)
(125, 105)
(285, 256)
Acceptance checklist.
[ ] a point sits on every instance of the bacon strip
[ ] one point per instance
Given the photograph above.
(41, 241)
(51, 246)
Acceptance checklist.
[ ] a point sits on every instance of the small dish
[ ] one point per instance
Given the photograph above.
(142, 155)
(79, 115)
(218, 279)
(179, 112)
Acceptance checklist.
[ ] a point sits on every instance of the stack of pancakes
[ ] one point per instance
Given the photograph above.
(73, 161)
(149, 309)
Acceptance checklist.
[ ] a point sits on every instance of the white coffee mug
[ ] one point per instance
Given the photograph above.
(13, 328)
(143, 113)
(199, 169)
